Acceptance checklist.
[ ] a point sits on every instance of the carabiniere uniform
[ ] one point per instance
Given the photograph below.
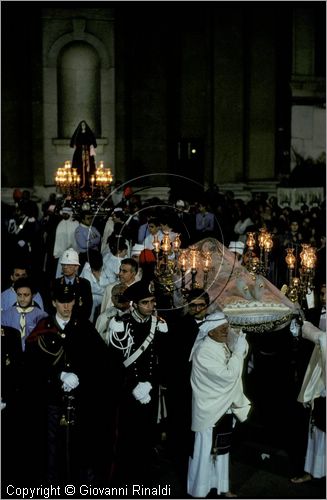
(50, 346)
(136, 422)
(78, 348)
(147, 366)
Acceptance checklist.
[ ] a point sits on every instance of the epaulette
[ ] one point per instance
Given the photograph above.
(125, 318)
(44, 326)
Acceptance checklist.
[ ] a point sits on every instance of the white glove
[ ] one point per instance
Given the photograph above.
(141, 392)
(294, 328)
(70, 381)
(241, 344)
(3, 405)
(21, 243)
(145, 400)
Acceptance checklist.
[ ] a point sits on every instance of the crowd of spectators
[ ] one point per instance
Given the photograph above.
(104, 250)
(39, 236)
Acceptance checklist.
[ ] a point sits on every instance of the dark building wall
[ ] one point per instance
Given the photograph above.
(21, 95)
(212, 77)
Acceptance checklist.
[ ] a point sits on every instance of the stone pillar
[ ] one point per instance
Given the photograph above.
(228, 95)
(261, 96)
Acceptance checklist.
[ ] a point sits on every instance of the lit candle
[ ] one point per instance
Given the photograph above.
(207, 261)
(166, 243)
(176, 243)
(250, 241)
(182, 261)
(262, 237)
(268, 243)
(296, 282)
(290, 258)
(193, 258)
(156, 244)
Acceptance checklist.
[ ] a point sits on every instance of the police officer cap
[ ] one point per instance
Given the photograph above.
(63, 293)
(138, 291)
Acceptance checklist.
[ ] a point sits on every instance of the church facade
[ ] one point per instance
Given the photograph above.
(219, 93)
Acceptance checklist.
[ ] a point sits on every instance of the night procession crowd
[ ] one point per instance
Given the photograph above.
(100, 370)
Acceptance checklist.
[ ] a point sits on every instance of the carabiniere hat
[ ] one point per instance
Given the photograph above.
(138, 291)
(63, 293)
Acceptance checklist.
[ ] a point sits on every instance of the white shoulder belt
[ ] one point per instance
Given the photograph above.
(143, 346)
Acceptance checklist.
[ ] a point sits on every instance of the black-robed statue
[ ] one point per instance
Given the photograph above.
(84, 142)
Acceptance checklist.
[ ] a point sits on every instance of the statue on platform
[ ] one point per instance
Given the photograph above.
(248, 300)
(84, 142)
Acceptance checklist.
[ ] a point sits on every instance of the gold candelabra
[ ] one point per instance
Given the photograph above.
(171, 270)
(255, 264)
(300, 286)
(102, 179)
(67, 180)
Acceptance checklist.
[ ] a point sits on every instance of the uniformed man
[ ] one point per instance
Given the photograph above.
(136, 348)
(66, 362)
(81, 287)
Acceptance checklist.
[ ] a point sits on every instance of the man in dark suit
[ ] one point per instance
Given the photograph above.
(181, 338)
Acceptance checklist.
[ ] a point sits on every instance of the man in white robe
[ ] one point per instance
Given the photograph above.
(216, 378)
(65, 236)
(314, 387)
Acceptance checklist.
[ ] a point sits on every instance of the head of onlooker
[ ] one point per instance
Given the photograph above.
(117, 297)
(136, 251)
(128, 271)
(66, 213)
(95, 260)
(198, 301)
(117, 245)
(25, 291)
(87, 218)
(19, 270)
(153, 225)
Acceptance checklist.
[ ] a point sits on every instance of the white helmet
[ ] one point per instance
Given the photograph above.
(70, 256)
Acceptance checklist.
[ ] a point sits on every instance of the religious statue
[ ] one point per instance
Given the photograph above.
(84, 142)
